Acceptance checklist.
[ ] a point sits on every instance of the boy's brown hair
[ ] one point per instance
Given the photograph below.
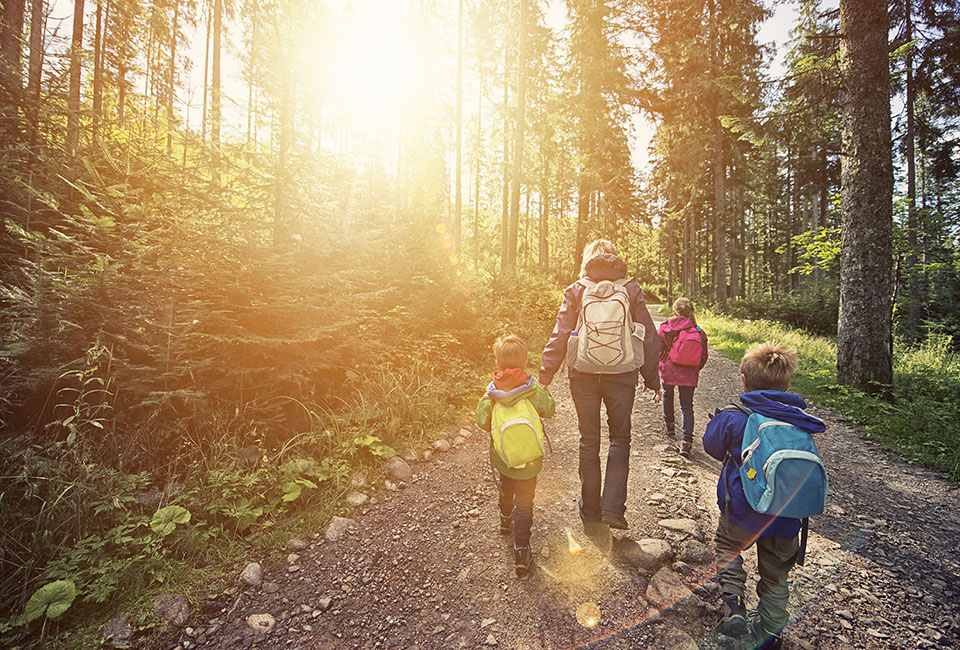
(768, 366)
(510, 352)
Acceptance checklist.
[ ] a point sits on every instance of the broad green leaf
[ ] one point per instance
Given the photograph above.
(52, 600)
(291, 491)
(165, 520)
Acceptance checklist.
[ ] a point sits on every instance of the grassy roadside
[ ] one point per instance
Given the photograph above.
(921, 425)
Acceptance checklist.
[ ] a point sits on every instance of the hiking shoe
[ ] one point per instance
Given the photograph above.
(671, 432)
(506, 525)
(615, 521)
(522, 558)
(685, 448)
(764, 638)
(734, 620)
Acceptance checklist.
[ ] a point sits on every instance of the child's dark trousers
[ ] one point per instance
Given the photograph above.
(516, 498)
(775, 557)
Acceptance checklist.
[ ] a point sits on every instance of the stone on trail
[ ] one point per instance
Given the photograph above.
(675, 639)
(336, 528)
(252, 575)
(647, 553)
(324, 603)
(427, 454)
(355, 498)
(666, 590)
(270, 587)
(459, 440)
(117, 632)
(441, 445)
(491, 640)
(172, 609)
(408, 454)
(292, 558)
(295, 545)
(464, 433)
(397, 468)
(686, 526)
(262, 623)
(694, 552)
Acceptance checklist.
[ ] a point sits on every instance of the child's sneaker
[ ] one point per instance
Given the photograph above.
(734, 620)
(765, 639)
(506, 525)
(671, 432)
(523, 559)
(685, 446)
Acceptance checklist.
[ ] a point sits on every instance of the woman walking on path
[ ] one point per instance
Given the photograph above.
(615, 389)
(683, 353)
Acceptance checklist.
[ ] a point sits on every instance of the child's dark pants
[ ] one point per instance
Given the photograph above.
(516, 497)
(775, 557)
(686, 410)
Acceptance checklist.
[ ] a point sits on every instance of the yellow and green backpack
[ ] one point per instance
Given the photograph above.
(517, 433)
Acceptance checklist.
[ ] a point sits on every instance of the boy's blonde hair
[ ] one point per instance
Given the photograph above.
(683, 307)
(593, 249)
(510, 352)
(768, 366)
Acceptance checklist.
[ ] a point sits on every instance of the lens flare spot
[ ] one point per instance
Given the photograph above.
(441, 228)
(588, 615)
(573, 545)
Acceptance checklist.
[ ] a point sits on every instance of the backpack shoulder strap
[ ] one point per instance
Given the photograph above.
(735, 408)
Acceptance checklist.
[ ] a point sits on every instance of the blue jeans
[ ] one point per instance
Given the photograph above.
(588, 393)
(686, 410)
(516, 499)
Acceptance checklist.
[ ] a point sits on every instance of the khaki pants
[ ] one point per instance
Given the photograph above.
(775, 557)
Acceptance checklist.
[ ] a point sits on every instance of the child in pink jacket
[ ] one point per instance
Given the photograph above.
(683, 352)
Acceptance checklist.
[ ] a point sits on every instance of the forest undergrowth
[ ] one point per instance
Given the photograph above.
(176, 395)
(921, 421)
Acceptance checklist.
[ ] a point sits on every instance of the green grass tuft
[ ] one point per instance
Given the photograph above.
(921, 425)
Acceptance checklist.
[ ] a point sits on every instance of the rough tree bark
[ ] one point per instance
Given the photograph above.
(864, 354)
(73, 95)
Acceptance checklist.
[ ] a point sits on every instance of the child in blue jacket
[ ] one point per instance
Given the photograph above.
(765, 370)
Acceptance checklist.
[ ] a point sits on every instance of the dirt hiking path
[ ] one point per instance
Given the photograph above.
(423, 566)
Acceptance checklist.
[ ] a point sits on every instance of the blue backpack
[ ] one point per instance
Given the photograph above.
(780, 468)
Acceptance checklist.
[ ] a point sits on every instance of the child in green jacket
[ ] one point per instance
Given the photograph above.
(517, 485)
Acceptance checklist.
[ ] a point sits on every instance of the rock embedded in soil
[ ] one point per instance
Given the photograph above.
(355, 498)
(117, 632)
(270, 587)
(647, 553)
(336, 529)
(685, 526)
(252, 575)
(441, 445)
(694, 552)
(666, 590)
(464, 433)
(262, 623)
(408, 454)
(398, 469)
(172, 609)
(295, 545)
(359, 480)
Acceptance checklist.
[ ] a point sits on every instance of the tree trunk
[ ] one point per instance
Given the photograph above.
(518, 134)
(171, 74)
(206, 81)
(458, 216)
(913, 271)
(98, 74)
(864, 341)
(215, 90)
(73, 95)
(719, 168)
(280, 225)
(11, 32)
(34, 77)
(505, 213)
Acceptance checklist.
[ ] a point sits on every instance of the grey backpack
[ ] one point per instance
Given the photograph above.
(606, 340)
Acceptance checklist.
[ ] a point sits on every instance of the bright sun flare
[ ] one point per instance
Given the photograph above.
(379, 63)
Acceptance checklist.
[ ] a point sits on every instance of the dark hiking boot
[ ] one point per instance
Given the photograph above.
(671, 432)
(734, 620)
(685, 448)
(764, 638)
(615, 521)
(522, 558)
(506, 525)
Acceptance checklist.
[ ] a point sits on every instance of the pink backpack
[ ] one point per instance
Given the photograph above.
(687, 349)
